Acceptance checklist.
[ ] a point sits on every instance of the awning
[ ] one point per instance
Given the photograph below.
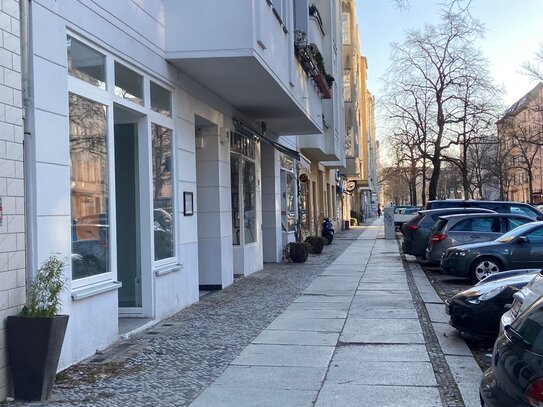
(259, 135)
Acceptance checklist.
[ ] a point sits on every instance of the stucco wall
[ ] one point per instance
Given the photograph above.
(12, 238)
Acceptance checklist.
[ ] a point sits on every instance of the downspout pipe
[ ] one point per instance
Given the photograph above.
(29, 152)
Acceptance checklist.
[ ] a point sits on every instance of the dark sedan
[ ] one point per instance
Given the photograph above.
(522, 247)
(516, 375)
(417, 229)
(476, 312)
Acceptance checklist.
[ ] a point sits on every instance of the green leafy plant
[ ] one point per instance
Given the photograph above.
(45, 289)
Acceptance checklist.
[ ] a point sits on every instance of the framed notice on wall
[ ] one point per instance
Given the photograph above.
(188, 208)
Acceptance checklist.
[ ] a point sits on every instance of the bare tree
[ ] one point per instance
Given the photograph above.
(534, 68)
(434, 81)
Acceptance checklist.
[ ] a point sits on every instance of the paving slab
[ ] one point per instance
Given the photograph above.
(347, 395)
(358, 311)
(312, 313)
(356, 266)
(324, 298)
(382, 373)
(285, 323)
(348, 354)
(284, 355)
(431, 297)
(378, 301)
(341, 272)
(437, 312)
(359, 330)
(467, 375)
(272, 377)
(450, 340)
(366, 285)
(319, 305)
(270, 336)
(227, 396)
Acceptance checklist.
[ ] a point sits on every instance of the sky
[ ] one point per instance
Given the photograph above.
(514, 33)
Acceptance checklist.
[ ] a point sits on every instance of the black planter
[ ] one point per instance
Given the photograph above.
(297, 252)
(34, 345)
(316, 243)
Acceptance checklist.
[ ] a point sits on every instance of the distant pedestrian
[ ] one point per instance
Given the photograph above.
(378, 210)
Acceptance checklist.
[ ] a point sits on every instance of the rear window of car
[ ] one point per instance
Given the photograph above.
(415, 220)
(530, 326)
(440, 225)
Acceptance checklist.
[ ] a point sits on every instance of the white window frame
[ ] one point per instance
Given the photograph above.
(108, 98)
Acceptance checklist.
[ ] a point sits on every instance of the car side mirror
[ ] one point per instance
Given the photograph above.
(522, 239)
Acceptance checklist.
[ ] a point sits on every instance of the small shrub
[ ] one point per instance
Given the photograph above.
(316, 244)
(45, 289)
(354, 222)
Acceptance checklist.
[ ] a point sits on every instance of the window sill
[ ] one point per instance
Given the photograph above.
(86, 292)
(170, 268)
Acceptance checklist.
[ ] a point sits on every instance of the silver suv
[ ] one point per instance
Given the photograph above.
(454, 230)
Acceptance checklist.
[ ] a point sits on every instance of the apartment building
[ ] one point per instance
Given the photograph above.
(360, 139)
(163, 155)
(520, 132)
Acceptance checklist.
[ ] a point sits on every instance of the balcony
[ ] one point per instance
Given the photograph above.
(241, 51)
(312, 63)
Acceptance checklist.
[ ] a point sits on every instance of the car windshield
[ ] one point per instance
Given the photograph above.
(520, 230)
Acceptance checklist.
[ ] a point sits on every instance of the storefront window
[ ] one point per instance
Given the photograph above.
(249, 201)
(85, 63)
(89, 187)
(288, 191)
(243, 182)
(162, 192)
(128, 84)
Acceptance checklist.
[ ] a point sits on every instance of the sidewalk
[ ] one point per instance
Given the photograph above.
(355, 326)
(369, 331)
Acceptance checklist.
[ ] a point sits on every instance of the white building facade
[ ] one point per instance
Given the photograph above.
(162, 152)
(12, 195)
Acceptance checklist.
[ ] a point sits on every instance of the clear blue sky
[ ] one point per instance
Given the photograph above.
(514, 34)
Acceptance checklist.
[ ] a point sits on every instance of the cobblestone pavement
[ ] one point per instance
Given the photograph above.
(171, 363)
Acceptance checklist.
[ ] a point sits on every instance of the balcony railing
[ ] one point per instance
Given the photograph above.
(306, 55)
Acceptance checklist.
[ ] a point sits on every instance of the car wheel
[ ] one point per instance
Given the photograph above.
(484, 267)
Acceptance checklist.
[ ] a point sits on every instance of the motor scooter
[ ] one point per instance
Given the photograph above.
(328, 230)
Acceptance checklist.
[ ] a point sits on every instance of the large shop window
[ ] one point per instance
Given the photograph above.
(162, 192)
(85, 63)
(243, 176)
(89, 187)
(288, 190)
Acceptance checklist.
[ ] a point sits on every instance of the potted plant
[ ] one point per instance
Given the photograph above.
(35, 336)
(297, 252)
(316, 242)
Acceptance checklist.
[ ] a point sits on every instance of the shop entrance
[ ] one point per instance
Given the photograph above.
(128, 198)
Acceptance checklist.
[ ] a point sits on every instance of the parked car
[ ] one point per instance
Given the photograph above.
(416, 230)
(516, 375)
(476, 312)
(454, 230)
(518, 208)
(402, 215)
(524, 299)
(521, 247)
